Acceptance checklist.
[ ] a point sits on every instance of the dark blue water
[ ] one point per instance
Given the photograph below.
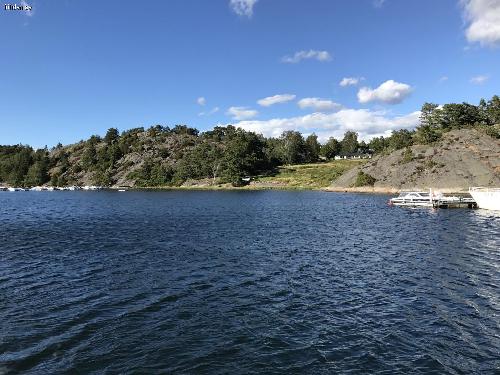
(245, 283)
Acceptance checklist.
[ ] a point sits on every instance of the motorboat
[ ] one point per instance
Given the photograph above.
(413, 199)
(432, 199)
(487, 198)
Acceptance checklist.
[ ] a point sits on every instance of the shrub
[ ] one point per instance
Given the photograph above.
(407, 156)
(364, 179)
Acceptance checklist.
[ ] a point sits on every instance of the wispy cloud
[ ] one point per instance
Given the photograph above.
(307, 55)
(243, 7)
(211, 112)
(479, 80)
(318, 104)
(483, 17)
(443, 79)
(241, 113)
(275, 99)
(389, 92)
(367, 123)
(378, 3)
(350, 81)
(201, 101)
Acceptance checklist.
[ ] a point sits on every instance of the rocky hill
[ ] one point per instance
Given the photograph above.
(460, 159)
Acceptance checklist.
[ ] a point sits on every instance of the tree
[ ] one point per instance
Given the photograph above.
(313, 147)
(331, 148)
(111, 136)
(37, 174)
(378, 144)
(21, 163)
(426, 134)
(89, 157)
(400, 139)
(243, 156)
(293, 148)
(493, 110)
(459, 115)
(349, 143)
(429, 115)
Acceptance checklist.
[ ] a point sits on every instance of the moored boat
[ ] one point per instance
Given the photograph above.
(412, 199)
(431, 199)
(487, 198)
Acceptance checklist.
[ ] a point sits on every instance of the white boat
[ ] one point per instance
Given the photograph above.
(487, 198)
(431, 199)
(413, 199)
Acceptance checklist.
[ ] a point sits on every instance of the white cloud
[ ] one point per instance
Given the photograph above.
(318, 104)
(389, 92)
(201, 100)
(306, 55)
(211, 112)
(275, 99)
(378, 3)
(367, 123)
(243, 7)
(483, 17)
(479, 80)
(350, 81)
(443, 79)
(241, 113)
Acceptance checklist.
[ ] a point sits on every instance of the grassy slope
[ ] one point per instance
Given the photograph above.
(306, 176)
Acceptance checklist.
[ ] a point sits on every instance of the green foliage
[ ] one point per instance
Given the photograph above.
(112, 135)
(89, 157)
(349, 143)
(37, 173)
(364, 179)
(429, 115)
(224, 154)
(400, 139)
(425, 135)
(312, 148)
(407, 156)
(331, 148)
(153, 174)
(378, 144)
(292, 147)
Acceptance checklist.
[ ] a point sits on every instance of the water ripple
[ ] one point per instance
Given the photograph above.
(245, 282)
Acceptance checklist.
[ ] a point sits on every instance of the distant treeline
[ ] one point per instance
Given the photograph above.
(162, 156)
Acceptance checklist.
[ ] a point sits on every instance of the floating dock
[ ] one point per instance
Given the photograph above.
(454, 202)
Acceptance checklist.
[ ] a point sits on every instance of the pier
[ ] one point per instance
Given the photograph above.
(454, 202)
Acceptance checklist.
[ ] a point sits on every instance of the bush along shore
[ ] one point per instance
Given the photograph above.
(230, 157)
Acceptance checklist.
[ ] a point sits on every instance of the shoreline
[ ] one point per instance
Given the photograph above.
(277, 187)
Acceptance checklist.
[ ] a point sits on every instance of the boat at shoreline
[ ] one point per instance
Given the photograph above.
(487, 198)
(431, 200)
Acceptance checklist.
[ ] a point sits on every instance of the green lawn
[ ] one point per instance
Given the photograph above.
(309, 176)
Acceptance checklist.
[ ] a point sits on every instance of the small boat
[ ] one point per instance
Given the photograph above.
(432, 199)
(413, 199)
(122, 190)
(487, 198)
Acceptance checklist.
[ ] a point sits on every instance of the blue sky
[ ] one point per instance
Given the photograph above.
(75, 68)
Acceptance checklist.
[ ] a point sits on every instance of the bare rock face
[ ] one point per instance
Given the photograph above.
(462, 158)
